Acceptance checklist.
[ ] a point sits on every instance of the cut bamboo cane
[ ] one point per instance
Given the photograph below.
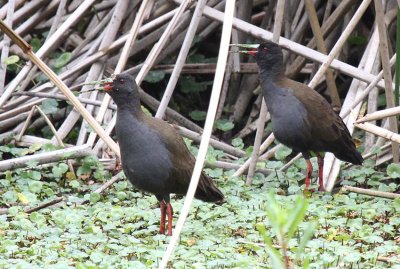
(54, 78)
(379, 131)
(221, 63)
(47, 157)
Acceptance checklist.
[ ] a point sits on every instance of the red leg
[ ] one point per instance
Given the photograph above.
(163, 208)
(170, 212)
(308, 175)
(321, 173)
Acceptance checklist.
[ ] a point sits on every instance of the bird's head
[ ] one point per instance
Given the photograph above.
(123, 89)
(268, 54)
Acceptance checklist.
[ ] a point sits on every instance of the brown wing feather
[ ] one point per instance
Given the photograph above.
(183, 163)
(328, 130)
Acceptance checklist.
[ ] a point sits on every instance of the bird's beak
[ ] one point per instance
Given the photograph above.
(106, 84)
(250, 49)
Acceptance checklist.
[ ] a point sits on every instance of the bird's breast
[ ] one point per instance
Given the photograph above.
(289, 118)
(145, 158)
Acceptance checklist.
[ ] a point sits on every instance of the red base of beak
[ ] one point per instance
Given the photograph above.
(107, 87)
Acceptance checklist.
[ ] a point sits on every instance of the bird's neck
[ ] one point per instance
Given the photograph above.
(132, 106)
(273, 73)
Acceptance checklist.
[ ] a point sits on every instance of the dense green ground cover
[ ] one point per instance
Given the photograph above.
(119, 228)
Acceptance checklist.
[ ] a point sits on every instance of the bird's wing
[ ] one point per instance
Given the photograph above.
(325, 124)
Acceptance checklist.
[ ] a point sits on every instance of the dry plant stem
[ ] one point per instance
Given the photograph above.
(384, 52)
(72, 19)
(382, 194)
(221, 64)
(295, 47)
(108, 184)
(381, 114)
(225, 85)
(161, 43)
(26, 124)
(339, 44)
(51, 126)
(326, 28)
(47, 157)
(28, 210)
(62, 97)
(4, 9)
(54, 131)
(331, 167)
(53, 77)
(289, 163)
(257, 142)
(121, 63)
(280, 9)
(97, 69)
(183, 53)
(228, 166)
(330, 81)
(215, 143)
(388, 259)
(367, 90)
(6, 45)
(263, 147)
(44, 205)
(379, 131)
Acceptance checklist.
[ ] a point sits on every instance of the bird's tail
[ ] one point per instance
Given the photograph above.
(349, 154)
(207, 191)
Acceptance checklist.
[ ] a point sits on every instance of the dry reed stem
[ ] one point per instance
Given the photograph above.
(212, 109)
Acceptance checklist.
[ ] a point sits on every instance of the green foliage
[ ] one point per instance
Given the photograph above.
(119, 227)
(13, 59)
(190, 85)
(284, 223)
(282, 153)
(154, 76)
(237, 143)
(198, 115)
(62, 60)
(357, 40)
(224, 125)
(393, 170)
(35, 43)
(13, 63)
(49, 106)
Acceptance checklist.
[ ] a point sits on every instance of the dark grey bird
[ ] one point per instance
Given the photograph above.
(154, 156)
(301, 118)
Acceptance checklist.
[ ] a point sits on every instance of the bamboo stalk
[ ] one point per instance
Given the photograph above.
(161, 43)
(73, 18)
(221, 63)
(339, 44)
(384, 52)
(54, 78)
(47, 157)
(181, 58)
(381, 114)
(382, 194)
(293, 46)
(316, 28)
(379, 131)
(280, 9)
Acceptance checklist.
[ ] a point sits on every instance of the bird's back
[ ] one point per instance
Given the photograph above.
(326, 129)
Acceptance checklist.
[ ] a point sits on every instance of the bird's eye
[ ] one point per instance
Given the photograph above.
(266, 49)
(121, 81)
